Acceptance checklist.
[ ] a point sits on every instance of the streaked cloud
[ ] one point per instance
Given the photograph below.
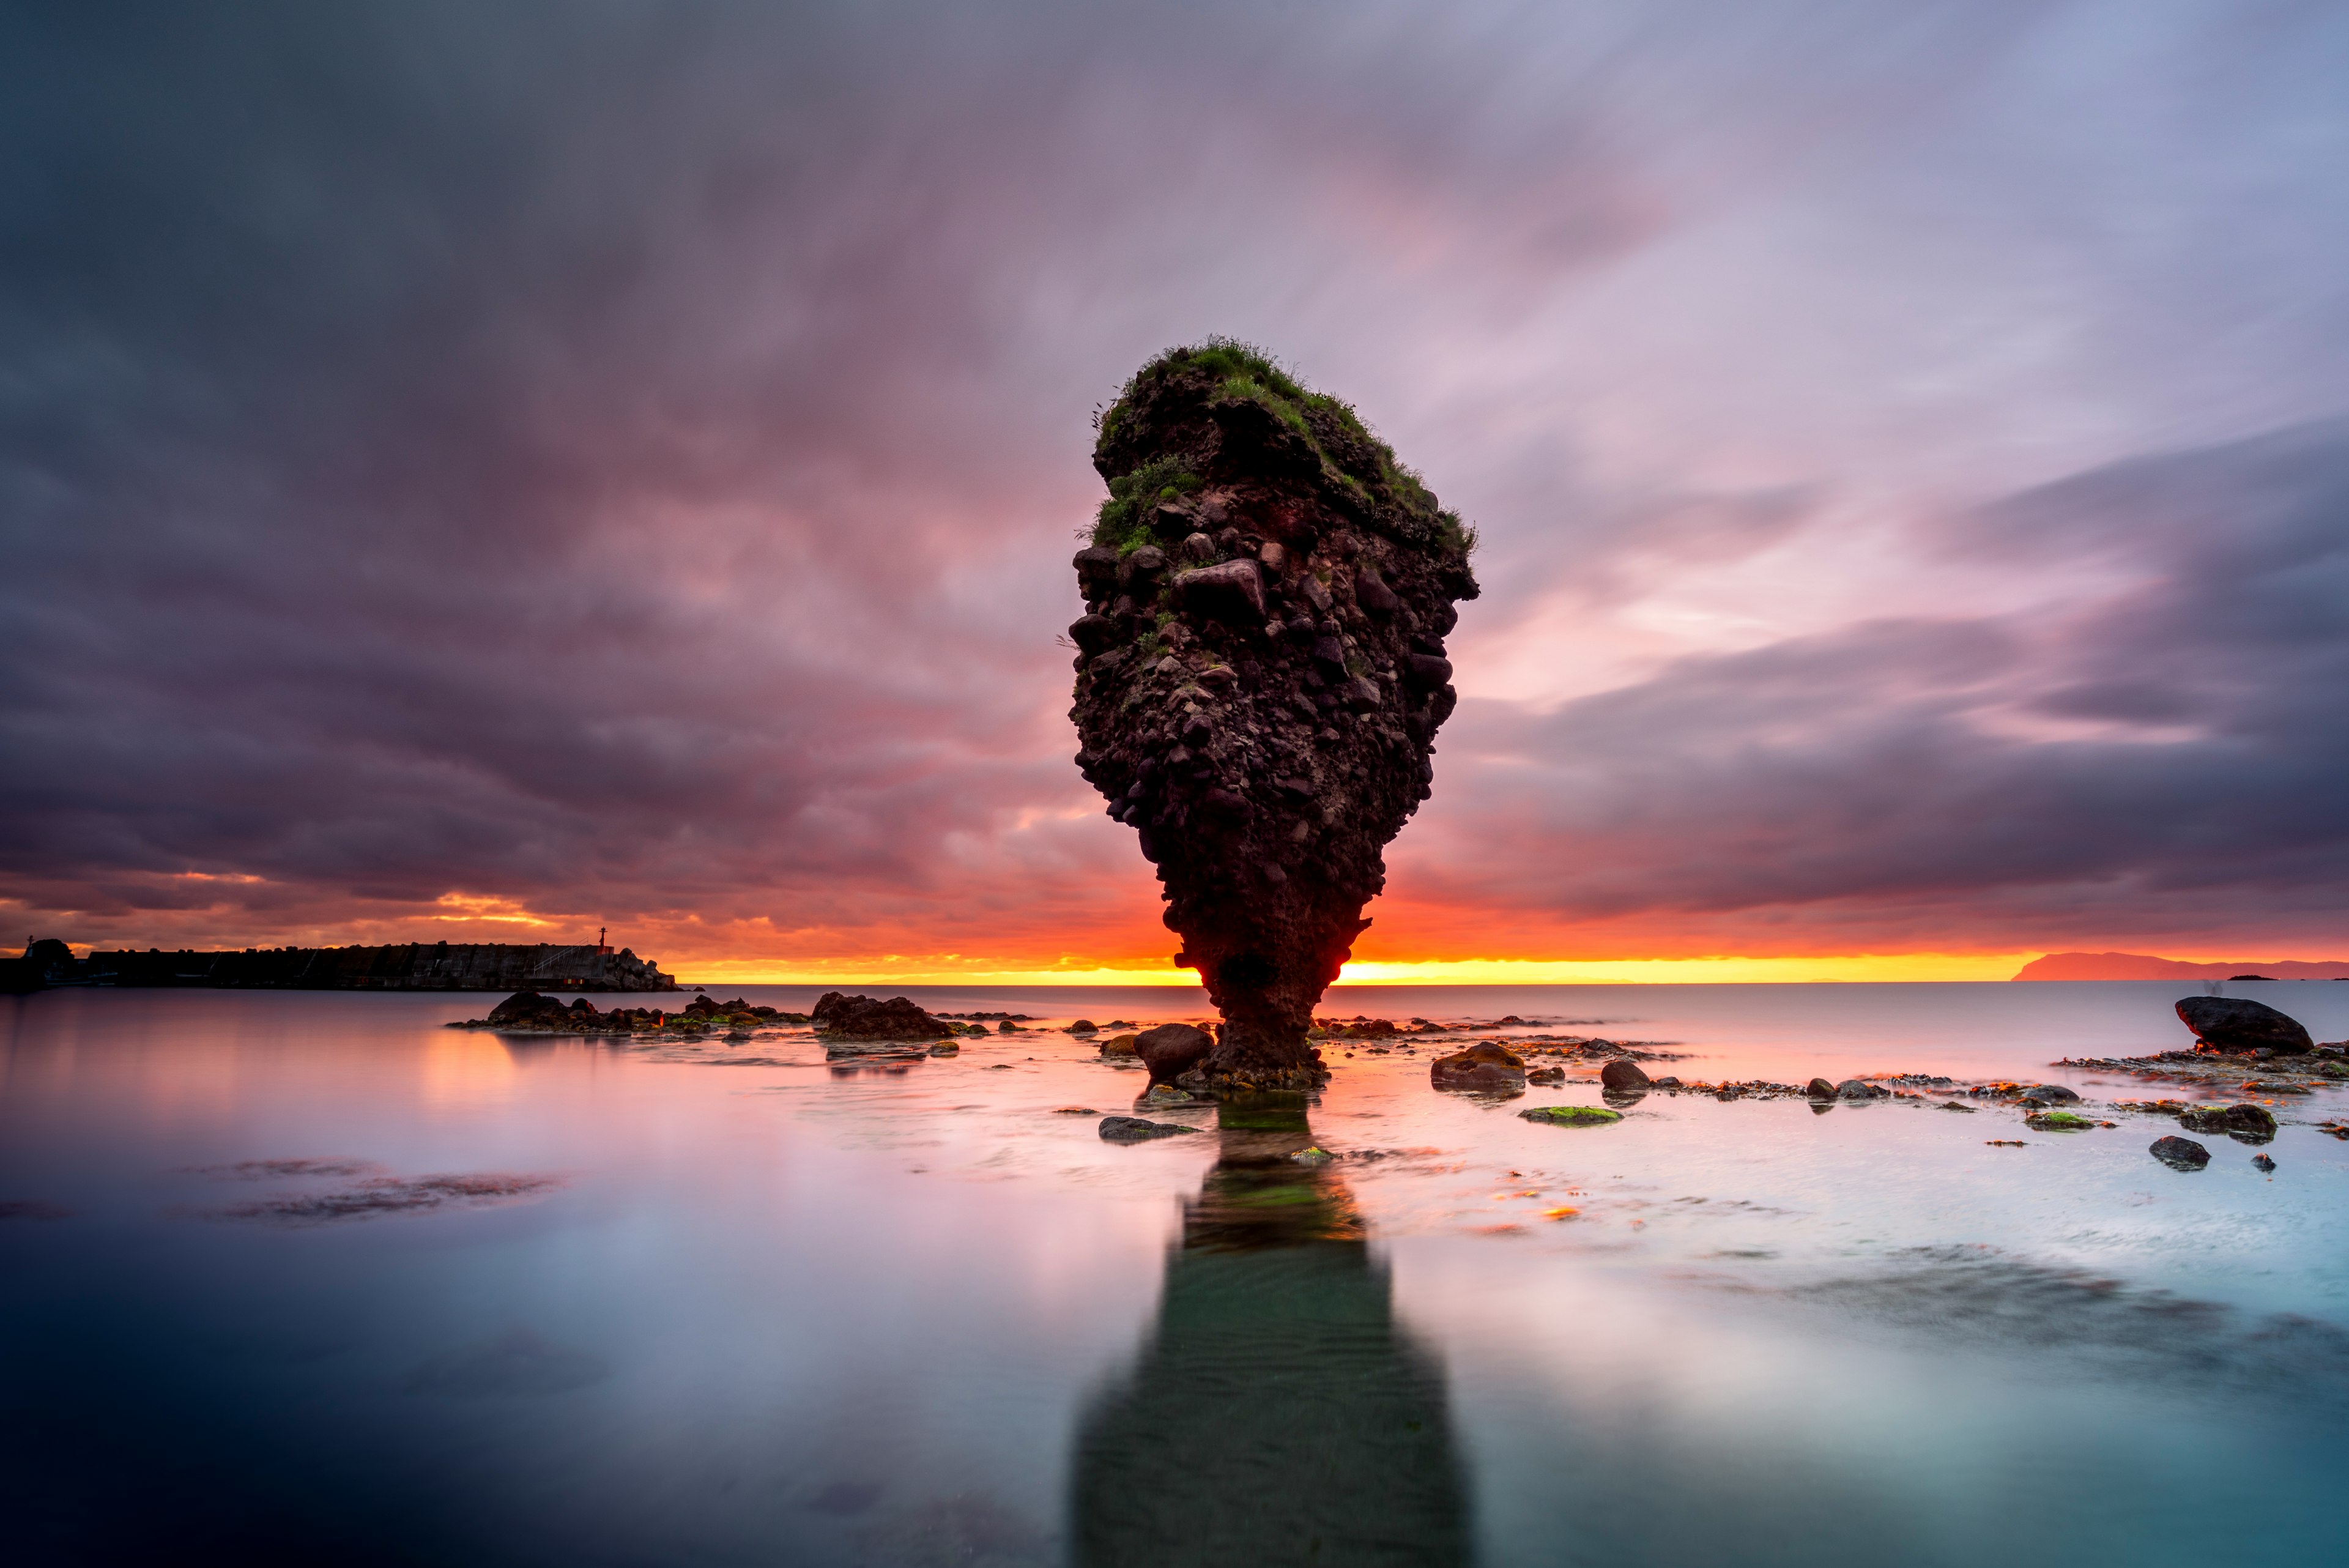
(618, 465)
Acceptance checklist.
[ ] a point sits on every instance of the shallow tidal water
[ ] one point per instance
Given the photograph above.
(308, 1277)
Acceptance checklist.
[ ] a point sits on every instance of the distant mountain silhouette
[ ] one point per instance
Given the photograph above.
(2144, 966)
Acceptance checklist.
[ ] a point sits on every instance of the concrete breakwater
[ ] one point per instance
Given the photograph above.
(403, 966)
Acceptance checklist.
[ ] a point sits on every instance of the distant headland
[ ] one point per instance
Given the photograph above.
(2143, 966)
(402, 965)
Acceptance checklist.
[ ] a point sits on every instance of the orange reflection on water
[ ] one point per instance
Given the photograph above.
(461, 1070)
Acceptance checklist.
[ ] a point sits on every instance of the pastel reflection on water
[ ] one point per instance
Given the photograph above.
(1279, 1414)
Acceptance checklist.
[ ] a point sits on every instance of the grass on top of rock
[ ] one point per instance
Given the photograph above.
(1244, 371)
(1571, 1115)
(2058, 1121)
(1123, 521)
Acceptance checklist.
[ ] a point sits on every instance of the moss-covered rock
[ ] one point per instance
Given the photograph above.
(1572, 1115)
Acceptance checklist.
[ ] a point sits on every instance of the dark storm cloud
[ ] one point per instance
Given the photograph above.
(623, 458)
(2161, 759)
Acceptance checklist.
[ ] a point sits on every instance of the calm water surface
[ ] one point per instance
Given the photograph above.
(309, 1278)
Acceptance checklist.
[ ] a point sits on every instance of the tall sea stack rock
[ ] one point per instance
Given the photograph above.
(1261, 674)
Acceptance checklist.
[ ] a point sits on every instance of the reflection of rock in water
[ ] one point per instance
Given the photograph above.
(1280, 1415)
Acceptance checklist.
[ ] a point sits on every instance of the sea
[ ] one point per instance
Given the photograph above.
(311, 1277)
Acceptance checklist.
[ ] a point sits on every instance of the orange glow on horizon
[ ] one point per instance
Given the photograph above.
(1024, 938)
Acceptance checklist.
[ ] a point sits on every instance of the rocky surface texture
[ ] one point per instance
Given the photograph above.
(2179, 1153)
(529, 1013)
(864, 1018)
(2239, 1024)
(1260, 676)
(1487, 1067)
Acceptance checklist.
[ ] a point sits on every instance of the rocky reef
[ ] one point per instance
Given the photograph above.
(1260, 676)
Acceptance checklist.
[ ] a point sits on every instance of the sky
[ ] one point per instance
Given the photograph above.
(489, 473)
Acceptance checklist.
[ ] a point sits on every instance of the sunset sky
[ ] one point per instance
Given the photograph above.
(490, 472)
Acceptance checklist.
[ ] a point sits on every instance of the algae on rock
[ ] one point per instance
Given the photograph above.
(1261, 674)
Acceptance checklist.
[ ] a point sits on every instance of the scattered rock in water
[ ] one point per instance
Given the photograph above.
(864, 1018)
(1484, 1068)
(1545, 1075)
(1072, 1111)
(1820, 1089)
(1622, 1076)
(2179, 1153)
(853, 1052)
(1667, 1082)
(1860, 1089)
(1955, 1105)
(1261, 707)
(2247, 1122)
(1571, 1115)
(1172, 1050)
(1311, 1155)
(2263, 1162)
(1358, 1028)
(1119, 1046)
(1135, 1129)
(1083, 1026)
(2051, 1095)
(2059, 1121)
(2238, 1024)
(946, 1048)
(523, 1007)
(2005, 1143)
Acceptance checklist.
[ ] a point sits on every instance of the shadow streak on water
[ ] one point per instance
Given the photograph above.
(1279, 1414)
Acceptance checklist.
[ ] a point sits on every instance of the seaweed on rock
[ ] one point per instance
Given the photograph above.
(1261, 675)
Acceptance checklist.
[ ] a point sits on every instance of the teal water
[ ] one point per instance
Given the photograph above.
(289, 1277)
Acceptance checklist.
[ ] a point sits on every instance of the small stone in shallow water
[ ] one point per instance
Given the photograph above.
(2051, 1095)
(1622, 1074)
(1572, 1115)
(2264, 1162)
(1820, 1089)
(2179, 1153)
(1172, 1049)
(1133, 1129)
(1484, 1068)
(2057, 1121)
(1859, 1089)
(1072, 1110)
(2248, 1122)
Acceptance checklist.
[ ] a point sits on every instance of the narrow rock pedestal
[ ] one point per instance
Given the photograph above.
(1261, 672)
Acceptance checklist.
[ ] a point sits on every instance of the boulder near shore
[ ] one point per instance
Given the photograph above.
(2239, 1024)
(1260, 674)
(864, 1018)
(1484, 1068)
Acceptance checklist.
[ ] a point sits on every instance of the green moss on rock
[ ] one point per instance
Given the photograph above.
(1571, 1115)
